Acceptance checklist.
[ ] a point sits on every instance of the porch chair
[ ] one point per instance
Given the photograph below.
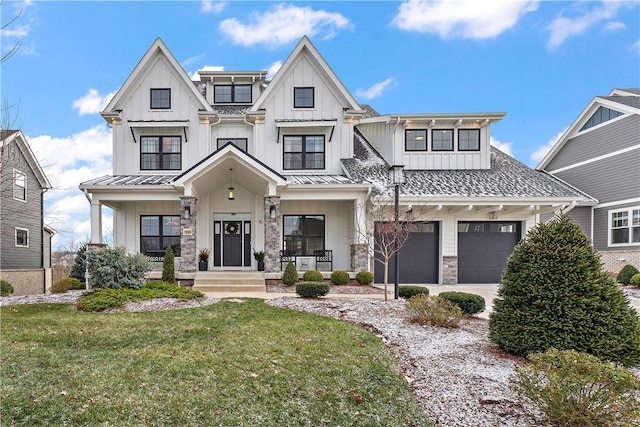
(285, 257)
(324, 256)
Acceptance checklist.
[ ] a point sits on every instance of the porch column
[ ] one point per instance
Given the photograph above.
(272, 236)
(96, 221)
(188, 234)
(360, 246)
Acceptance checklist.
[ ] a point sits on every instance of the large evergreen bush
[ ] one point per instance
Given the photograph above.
(554, 293)
(79, 267)
(115, 268)
(290, 275)
(168, 266)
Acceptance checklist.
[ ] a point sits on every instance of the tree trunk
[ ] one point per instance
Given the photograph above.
(386, 278)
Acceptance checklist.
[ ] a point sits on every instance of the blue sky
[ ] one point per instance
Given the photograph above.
(541, 62)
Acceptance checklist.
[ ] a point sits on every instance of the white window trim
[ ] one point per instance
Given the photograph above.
(15, 239)
(629, 211)
(13, 184)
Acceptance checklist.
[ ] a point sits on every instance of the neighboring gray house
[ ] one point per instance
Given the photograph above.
(25, 242)
(599, 154)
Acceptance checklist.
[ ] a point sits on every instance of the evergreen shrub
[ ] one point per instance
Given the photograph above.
(312, 276)
(554, 294)
(433, 311)
(339, 277)
(6, 288)
(114, 268)
(312, 289)
(79, 267)
(364, 277)
(625, 275)
(290, 275)
(66, 284)
(408, 291)
(168, 266)
(635, 280)
(469, 303)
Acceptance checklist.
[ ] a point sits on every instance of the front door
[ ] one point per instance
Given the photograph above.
(232, 244)
(232, 241)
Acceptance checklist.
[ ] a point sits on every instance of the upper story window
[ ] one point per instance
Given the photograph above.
(415, 140)
(442, 140)
(229, 94)
(468, 139)
(160, 152)
(624, 226)
(303, 97)
(160, 99)
(157, 233)
(602, 114)
(241, 143)
(19, 185)
(303, 152)
(22, 237)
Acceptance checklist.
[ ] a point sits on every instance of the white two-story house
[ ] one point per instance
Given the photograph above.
(234, 163)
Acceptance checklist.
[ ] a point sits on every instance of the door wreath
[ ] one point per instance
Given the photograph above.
(231, 228)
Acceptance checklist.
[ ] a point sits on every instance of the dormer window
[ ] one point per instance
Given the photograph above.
(602, 114)
(415, 140)
(232, 94)
(303, 97)
(160, 99)
(469, 140)
(442, 140)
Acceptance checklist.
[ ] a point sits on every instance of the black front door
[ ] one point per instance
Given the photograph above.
(232, 243)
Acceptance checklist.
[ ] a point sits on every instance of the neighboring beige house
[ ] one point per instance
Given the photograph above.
(234, 163)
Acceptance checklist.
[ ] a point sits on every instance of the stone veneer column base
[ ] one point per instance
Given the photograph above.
(188, 240)
(271, 235)
(449, 270)
(360, 257)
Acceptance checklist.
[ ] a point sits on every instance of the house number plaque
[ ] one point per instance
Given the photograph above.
(187, 232)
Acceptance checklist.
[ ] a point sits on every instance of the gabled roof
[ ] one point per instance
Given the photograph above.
(9, 136)
(305, 47)
(624, 100)
(157, 48)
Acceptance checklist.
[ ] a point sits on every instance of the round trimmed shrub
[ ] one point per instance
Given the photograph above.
(6, 288)
(434, 310)
(635, 280)
(408, 291)
(312, 276)
(625, 275)
(468, 303)
(339, 277)
(290, 275)
(312, 289)
(69, 283)
(555, 294)
(364, 277)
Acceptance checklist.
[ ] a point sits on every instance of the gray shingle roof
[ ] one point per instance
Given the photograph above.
(507, 178)
(631, 101)
(231, 109)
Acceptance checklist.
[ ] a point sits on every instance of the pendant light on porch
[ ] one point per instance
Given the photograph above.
(231, 195)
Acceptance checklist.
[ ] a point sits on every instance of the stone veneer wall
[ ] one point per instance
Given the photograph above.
(360, 257)
(614, 260)
(271, 235)
(25, 282)
(449, 270)
(188, 242)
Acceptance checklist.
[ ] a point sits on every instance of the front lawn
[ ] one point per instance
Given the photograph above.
(228, 364)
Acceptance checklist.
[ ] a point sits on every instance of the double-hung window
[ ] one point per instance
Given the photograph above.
(442, 139)
(468, 139)
(415, 140)
(241, 143)
(624, 226)
(157, 233)
(303, 152)
(230, 94)
(160, 99)
(303, 234)
(22, 237)
(19, 185)
(160, 152)
(303, 97)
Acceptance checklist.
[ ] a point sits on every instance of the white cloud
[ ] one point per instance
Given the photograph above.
(212, 6)
(283, 24)
(505, 147)
(468, 19)
(636, 47)
(563, 28)
(195, 58)
(19, 31)
(542, 151)
(273, 69)
(611, 27)
(92, 102)
(196, 77)
(375, 90)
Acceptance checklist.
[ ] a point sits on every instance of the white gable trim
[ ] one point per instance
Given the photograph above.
(23, 145)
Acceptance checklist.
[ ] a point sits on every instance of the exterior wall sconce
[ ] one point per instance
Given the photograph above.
(186, 213)
(272, 211)
(231, 195)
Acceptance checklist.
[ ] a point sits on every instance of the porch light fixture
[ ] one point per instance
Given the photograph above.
(231, 195)
(272, 211)
(396, 177)
(186, 212)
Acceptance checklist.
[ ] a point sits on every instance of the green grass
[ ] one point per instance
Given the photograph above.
(229, 364)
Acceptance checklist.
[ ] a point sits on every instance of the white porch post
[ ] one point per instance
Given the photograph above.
(96, 221)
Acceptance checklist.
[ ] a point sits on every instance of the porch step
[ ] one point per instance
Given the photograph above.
(229, 281)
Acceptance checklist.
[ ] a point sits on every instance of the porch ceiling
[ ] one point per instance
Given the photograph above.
(221, 176)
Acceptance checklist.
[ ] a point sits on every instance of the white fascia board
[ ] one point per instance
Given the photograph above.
(306, 123)
(387, 118)
(323, 192)
(157, 123)
(136, 196)
(485, 201)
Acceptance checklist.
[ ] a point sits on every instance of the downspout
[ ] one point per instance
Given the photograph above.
(211, 125)
(44, 272)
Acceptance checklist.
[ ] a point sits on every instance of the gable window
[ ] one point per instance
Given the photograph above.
(303, 234)
(303, 152)
(241, 143)
(415, 140)
(232, 94)
(602, 114)
(22, 237)
(160, 152)
(160, 99)
(157, 233)
(19, 185)
(624, 226)
(468, 139)
(442, 140)
(303, 97)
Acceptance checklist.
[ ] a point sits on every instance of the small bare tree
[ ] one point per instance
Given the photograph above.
(13, 49)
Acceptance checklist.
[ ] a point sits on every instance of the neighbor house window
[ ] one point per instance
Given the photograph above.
(241, 143)
(303, 234)
(303, 97)
(415, 140)
(160, 99)
(22, 237)
(624, 225)
(469, 140)
(442, 140)
(160, 152)
(19, 185)
(602, 114)
(232, 94)
(304, 152)
(157, 233)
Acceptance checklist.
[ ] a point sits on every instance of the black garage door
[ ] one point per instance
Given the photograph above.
(419, 259)
(483, 249)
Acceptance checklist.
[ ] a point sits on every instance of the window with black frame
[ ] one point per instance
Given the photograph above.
(468, 139)
(442, 140)
(303, 97)
(303, 234)
(241, 143)
(160, 99)
(232, 94)
(160, 152)
(157, 233)
(415, 140)
(303, 152)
